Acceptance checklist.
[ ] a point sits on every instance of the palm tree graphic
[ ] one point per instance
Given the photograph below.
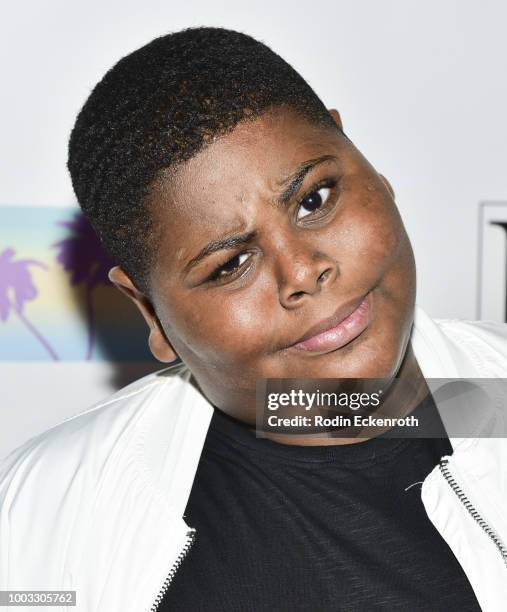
(82, 255)
(16, 280)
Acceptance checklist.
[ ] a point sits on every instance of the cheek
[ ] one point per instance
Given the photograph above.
(389, 256)
(367, 239)
(383, 225)
(224, 329)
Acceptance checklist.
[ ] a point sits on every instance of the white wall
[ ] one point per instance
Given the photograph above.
(420, 85)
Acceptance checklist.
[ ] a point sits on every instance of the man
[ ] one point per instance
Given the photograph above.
(257, 242)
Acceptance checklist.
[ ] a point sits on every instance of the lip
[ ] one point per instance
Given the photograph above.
(346, 324)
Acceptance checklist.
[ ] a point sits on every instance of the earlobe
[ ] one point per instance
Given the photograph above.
(160, 347)
(157, 340)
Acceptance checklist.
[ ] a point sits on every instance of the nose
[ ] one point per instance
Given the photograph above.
(303, 273)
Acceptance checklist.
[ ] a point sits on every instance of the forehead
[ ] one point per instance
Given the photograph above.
(260, 151)
(211, 193)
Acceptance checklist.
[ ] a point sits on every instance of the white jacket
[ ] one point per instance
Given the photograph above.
(95, 504)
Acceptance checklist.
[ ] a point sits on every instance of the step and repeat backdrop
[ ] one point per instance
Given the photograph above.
(68, 337)
(421, 91)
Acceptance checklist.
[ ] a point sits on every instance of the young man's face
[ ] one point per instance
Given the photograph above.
(237, 313)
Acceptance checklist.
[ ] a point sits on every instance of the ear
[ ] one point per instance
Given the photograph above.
(336, 116)
(388, 185)
(157, 341)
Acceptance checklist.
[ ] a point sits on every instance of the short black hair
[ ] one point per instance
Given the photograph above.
(159, 106)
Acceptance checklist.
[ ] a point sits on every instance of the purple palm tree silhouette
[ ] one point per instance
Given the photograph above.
(83, 256)
(15, 278)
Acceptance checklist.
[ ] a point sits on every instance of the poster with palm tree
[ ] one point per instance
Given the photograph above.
(17, 288)
(56, 301)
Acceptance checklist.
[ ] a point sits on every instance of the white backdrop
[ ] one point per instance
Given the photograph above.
(420, 86)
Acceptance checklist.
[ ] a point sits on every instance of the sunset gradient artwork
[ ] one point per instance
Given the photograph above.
(56, 301)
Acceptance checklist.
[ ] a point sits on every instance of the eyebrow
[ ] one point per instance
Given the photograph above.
(219, 245)
(293, 182)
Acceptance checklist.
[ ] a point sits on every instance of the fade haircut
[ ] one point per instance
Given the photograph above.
(158, 107)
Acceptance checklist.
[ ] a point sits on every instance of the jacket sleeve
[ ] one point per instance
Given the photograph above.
(35, 483)
(11, 470)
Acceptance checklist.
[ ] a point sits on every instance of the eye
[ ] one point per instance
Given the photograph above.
(313, 201)
(230, 266)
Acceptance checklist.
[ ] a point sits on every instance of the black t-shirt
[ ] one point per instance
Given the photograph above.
(315, 528)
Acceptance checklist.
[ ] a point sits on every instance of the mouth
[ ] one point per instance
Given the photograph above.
(334, 332)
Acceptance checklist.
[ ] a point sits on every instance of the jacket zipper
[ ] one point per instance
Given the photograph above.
(488, 530)
(190, 537)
